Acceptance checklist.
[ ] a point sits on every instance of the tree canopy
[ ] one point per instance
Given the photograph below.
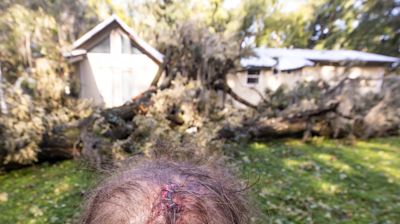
(369, 25)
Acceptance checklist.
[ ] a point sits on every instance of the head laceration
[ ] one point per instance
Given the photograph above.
(170, 203)
(167, 192)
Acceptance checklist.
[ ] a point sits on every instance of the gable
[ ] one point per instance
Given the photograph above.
(121, 39)
(115, 42)
(128, 46)
(104, 46)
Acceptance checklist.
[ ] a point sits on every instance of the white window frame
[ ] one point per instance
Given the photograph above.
(253, 74)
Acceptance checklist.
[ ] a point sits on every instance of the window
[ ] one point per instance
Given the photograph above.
(102, 47)
(253, 76)
(128, 47)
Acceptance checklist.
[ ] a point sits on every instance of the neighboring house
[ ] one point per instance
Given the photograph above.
(270, 68)
(113, 64)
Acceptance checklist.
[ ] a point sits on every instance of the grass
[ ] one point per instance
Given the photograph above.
(324, 181)
(43, 194)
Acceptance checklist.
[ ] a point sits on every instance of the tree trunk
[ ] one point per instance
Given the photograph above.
(277, 128)
(60, 144)
(229, 91)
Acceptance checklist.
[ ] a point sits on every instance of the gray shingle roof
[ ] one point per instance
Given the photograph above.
(289, 59)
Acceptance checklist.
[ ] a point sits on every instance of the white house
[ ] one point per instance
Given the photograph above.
(270, 68)
(113, 64)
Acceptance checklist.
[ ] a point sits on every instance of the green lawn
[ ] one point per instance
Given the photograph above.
(43, 194)
(325, 181)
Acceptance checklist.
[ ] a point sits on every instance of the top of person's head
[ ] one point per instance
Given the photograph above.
(161, 191)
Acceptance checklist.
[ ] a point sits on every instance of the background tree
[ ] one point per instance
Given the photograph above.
(370, 25)
(35, 75)
(286, 29)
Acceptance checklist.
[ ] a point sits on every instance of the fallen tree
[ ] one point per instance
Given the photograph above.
(178, 117)
(340, 111)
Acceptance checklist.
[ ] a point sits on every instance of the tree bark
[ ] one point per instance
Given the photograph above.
(137, 105)
(160, 71)
(277, 128)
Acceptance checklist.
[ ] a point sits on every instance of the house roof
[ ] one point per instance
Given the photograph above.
(289, 59)
(77, 45)
(292, 63)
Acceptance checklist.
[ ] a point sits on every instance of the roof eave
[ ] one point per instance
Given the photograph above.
(91, 33)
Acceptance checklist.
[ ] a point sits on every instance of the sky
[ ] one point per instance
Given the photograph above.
(287, 5)
(292, 5)
(230, 4)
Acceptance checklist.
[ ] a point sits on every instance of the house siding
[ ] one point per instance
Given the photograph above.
(329, 73)
(113, 79)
